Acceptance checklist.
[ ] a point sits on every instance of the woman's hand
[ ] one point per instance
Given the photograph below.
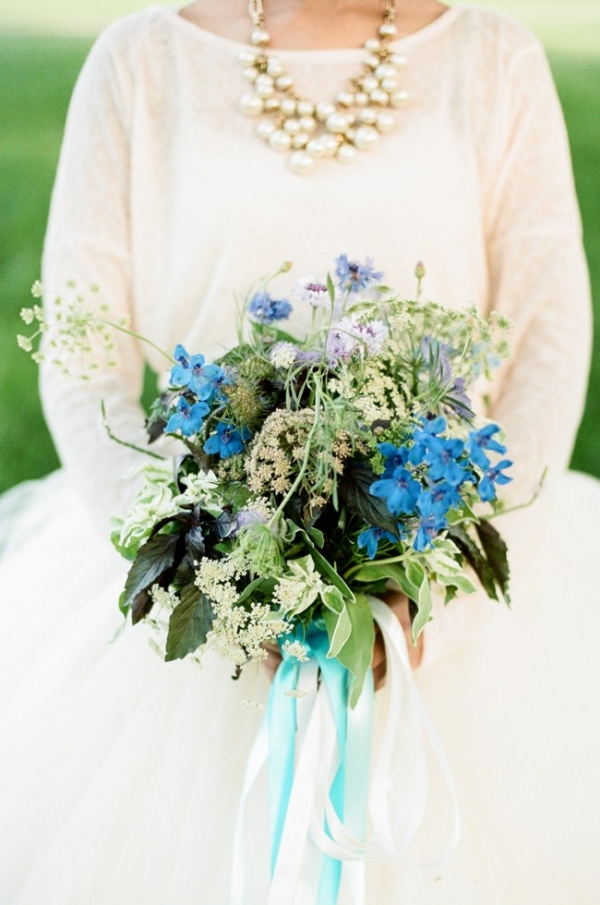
(398, 603)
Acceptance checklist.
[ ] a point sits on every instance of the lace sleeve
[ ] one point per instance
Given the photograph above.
(88, 242)
(538, 278)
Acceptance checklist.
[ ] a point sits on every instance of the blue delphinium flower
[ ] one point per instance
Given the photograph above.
(424, 437)
(191, 371)
(429, 526)
(483, 439)
(264, 309)
(393, 456)
(441, 458)
(369, 540)
(227, 442)
(438, 499)
(188, 418)
(400, 491)
(352, 276)
(486, 488)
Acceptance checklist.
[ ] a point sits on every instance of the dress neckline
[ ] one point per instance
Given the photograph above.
(431, 30)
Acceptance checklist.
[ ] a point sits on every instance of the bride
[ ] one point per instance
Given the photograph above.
(121, 774)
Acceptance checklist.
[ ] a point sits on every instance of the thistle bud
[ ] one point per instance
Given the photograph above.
(420, 270)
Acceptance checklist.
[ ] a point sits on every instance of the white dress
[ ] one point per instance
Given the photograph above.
(121, 774)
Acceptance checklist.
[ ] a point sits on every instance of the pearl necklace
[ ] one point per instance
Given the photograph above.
(309, 131)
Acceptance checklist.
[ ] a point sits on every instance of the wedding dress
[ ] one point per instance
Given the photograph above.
(120, 773)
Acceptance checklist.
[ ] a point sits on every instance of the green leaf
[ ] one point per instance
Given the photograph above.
(330, 289)
(317, 537)
(416, 575)
(460, 582)
(327, 570)
(393, 572)
(153, 559)
(424, 608)
(333, 599)
(189, 624)
(476, 560)
(357, 652)
(354, 491)
(341, 633)
(496, 552)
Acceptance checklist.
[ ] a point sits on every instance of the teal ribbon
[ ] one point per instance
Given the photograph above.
(349, 788)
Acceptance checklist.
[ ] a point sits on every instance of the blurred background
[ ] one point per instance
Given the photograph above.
(42, 46)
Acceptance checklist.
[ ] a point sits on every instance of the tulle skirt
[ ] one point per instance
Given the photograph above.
(120, 774)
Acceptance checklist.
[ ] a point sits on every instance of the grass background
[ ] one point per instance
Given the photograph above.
(42, 47)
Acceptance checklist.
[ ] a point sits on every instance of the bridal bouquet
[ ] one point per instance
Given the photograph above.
(315, 473)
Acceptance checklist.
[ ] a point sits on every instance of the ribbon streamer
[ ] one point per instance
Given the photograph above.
(322, 784)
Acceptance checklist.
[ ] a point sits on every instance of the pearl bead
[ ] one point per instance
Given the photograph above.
(292, 126)
(271, 104)
(250, 104)
(384, 70)
(367, 117)
(323, 110)
(280, 140)
(350, 134)
(305, 108)
(288, 106)
(300, 140)
(250, 73)
(386, 121)
(284, 83)
(259, 37)
(307, 123)
(361, 99)
(247, 57)
(399, 98)
(265, 129)
(370, 83)
(387, 30)
(372, 44)
(372, 61)
(379, 97)
(345, 99)
(264, 90)
(263, 79)
(275, 67)
(366, 138)
(346, 153)
(337, 122)
(397, 60)
(330, 145)
(301, 163)
(316, 148)
(390, 84)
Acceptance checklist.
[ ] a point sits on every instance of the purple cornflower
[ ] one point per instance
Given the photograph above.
(352, 276)
(313, 291)
(264, 309)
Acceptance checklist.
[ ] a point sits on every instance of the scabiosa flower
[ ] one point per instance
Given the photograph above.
(400, 491)
(188, 418)
(191, 371)
(264, 309)
(312, 290)
(487, 490)
(353, 276)
(369, 540)
(227, 442)
(483, 439)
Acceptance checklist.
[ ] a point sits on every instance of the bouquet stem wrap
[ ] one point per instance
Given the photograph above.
(326, 785)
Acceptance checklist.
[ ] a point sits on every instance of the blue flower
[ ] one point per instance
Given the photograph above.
(264, 309)
(227, 442)
(441, 458)
(193, 373)
(438, 500)
(370, 539)
(457, 399)
(353, 276)
(400, 491)
(188, 418)
(483, 439)
(494, 475)
(428, 529)
(394, 456)
(424, 437)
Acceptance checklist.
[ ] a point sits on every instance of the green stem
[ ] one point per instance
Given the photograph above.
(135, 335)
(140, 449)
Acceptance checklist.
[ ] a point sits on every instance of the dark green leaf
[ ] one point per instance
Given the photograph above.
(153, 559)
(496, 552)
(140, 605)
(476, 559)
(189, 625)
(354, 491)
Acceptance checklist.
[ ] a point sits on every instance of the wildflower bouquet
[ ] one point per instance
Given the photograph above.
(317, 472)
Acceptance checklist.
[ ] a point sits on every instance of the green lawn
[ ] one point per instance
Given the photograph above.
(36, 77)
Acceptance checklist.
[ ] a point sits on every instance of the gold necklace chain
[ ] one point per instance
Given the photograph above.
(309, 131)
